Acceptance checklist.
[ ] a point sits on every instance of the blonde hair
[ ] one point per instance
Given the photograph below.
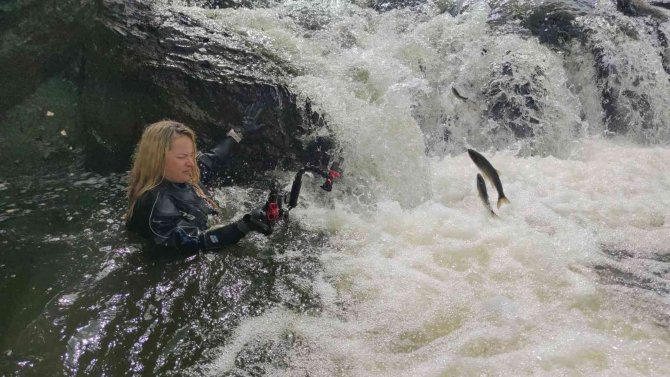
(149, 161)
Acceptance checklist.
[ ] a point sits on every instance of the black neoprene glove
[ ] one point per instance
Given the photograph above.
(219, 236)
(251, 122)
(255, 221)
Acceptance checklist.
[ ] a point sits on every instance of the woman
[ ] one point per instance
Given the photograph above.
(167, 204)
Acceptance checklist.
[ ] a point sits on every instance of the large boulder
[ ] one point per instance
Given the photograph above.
(135, 63)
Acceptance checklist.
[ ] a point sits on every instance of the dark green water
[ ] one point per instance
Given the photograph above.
(81, 297)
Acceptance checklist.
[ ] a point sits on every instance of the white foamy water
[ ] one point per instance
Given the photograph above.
(445, 289)
(418, 279)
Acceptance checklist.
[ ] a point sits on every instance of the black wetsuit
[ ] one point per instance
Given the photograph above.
(172, 215)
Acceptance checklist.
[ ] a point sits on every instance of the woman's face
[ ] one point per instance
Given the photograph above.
(180, 160)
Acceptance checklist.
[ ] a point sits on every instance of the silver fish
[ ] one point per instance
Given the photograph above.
(490, 173)
(483, 195)
(458, 95)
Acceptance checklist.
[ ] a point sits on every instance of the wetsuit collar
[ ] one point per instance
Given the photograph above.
(175, 185)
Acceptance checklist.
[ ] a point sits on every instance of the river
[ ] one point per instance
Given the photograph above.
(400, 271)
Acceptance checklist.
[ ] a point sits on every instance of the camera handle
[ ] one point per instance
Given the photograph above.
(274, 207)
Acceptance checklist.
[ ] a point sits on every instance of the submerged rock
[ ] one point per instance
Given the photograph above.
(39, 39)
(33, 139)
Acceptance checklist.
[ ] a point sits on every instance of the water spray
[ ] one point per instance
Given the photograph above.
(274, 206)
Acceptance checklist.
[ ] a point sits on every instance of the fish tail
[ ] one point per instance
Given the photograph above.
(502, 200)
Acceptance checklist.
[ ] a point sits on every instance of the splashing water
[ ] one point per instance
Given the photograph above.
(417, 278)
(401, 270)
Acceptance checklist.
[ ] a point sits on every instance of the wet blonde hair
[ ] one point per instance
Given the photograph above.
(149, 160)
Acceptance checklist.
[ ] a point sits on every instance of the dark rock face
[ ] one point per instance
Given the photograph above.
(39, 38)
(661, 3)
(625, 101)
(39, 95)
(39, 134)
(221, 4)
(640, 8)
(511, 100)
(626, 7)
(135, 64)
(552, 24)
(148, 66)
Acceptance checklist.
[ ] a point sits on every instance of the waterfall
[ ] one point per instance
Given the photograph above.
(400, 270)
(567, 99)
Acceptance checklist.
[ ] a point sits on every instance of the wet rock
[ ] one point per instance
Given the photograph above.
(640, 8)
(552, 24)
(625, 97)
(665, 47)
(387, 5)
(34, 139)
(661, 3)
(135, 63)
(221, 4)
(551, 21)
(626, 7)
(149, 65)
(39, 39)
(511, 100)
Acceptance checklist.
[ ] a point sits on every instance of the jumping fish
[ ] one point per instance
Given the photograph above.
(458, 95)
(490, 173)
(483, 195)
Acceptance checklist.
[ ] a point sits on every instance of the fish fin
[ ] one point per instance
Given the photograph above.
(502, 200)
(493, 214)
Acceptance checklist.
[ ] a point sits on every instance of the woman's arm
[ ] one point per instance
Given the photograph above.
(158, 219)
(175, 229)
(211, 161)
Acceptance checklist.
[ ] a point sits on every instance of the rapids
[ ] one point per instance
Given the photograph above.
(400, 271)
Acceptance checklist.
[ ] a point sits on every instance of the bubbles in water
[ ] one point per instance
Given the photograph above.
(402, 271)
(418, 279)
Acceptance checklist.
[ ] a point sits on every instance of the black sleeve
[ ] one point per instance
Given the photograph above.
(168, 227)
(211, 161)
(171, 229)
